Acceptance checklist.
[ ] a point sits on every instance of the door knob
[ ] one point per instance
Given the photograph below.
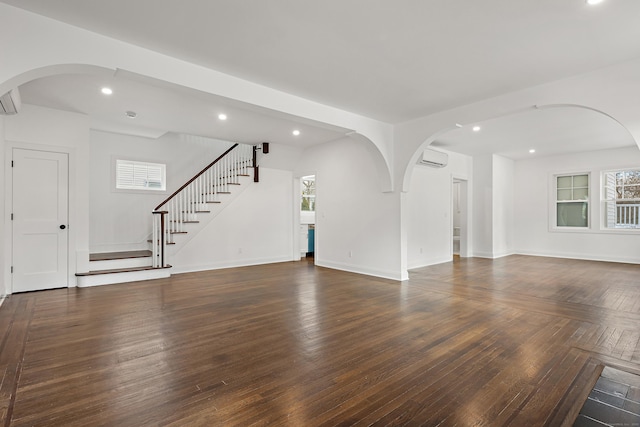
(62, 227)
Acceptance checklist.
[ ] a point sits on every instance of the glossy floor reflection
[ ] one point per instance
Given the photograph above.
(475, 342)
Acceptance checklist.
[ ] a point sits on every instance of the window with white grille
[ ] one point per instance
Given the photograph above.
(134, 175)
(621, 198)
(572, 201)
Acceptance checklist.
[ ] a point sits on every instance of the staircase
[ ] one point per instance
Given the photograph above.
(177, 216)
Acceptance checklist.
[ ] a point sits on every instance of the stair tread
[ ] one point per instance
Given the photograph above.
(108, 256)
(166, 243)
(120, 270)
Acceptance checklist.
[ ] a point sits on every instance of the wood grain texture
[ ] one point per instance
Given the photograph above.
(507, 342)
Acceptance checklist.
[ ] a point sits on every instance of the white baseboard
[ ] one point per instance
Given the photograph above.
(586, 257)
(393, 275)
(229, 264)
(430, 261)
(491, 255)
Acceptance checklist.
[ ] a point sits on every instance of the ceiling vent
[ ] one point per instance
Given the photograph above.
(433, 158)
(10, 102)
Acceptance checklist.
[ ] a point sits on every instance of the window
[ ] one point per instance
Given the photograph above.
(572, 200)
(132, 175)
(621, 198)
(308, 193)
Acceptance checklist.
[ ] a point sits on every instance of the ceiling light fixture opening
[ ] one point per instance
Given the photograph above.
(222, 116)
(533, 150)
(476, 128)
(594, 2)
(131, 114)
(106, 90)
(296, 132)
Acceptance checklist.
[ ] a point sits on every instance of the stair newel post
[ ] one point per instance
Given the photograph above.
(158, 239)
(256, 176)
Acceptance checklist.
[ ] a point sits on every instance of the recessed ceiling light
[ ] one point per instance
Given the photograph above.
(222, 116)
(131, 114)
(594, 2)
(296, 132)
(106, 90)
(532, 151)
(476, 128)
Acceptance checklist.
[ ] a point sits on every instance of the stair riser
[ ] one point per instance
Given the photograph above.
(130, 276)
(112, 264)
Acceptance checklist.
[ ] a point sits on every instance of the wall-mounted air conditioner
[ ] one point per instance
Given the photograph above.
(433, 158)
(10, 102)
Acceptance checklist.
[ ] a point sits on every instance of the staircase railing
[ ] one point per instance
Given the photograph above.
(184, 205)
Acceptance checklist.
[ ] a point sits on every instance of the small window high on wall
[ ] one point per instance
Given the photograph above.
(133, 175)
(572, 201)
(621, 198)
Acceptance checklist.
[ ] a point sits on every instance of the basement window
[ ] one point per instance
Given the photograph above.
(134, 175)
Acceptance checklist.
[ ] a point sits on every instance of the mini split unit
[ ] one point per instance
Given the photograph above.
(10, 102)
(433, 158)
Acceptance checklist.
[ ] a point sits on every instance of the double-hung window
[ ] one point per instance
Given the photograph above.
(572, 200)
(621, 198)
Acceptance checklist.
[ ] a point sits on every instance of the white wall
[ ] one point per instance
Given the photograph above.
(503, 193)
(5, 246)
(483, 206)
(255, 228)
(43, 128)
(357, 226)
(493, 201)
(430, 216)
(121, 221)
(533, 202)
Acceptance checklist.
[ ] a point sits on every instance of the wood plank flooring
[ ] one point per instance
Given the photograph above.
(518, 341)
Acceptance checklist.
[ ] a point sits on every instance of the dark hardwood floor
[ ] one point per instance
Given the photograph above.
(517, 341)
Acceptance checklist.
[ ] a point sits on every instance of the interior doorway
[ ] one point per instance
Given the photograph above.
(40, 211)
(307, 205)
(460, 217)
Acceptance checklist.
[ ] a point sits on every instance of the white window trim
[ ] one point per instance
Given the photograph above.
(602, 207)
(148, 191)
(553, 203)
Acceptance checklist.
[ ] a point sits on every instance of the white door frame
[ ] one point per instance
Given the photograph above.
(465, 215)
(296, 216)
(72, 221)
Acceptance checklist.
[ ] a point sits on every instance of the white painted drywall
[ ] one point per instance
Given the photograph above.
(255, 228)
(483, 206)
(533, 203)
(430, 216)
(502, 219)
(44, 128)
(5, 246)
(121, 221)
(357, 226)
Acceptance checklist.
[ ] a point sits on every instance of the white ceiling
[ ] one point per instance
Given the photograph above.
(549, 131)
(389, 60)
(162, 108)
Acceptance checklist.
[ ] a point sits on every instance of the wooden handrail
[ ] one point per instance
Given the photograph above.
(195, 177)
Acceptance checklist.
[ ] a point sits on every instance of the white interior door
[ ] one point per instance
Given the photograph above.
(40, 220)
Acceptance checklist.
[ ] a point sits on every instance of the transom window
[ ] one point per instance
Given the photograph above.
(572, 200)
(133, 175)
(621, 198)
